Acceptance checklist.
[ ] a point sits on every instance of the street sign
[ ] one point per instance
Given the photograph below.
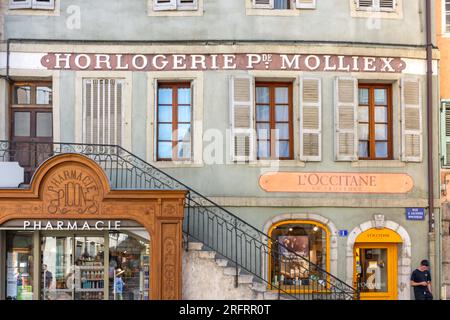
(415, 213)
(343, 233)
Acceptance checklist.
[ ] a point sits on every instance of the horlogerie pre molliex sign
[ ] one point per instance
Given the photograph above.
(225, 61)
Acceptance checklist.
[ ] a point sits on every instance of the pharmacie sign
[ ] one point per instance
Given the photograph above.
(241, 61)
(336, 182)
(66, 225)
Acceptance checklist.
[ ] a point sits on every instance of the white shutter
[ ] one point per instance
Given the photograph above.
(187, 4)
(411, 120)
(345, 117)
(445, 120)
(377, 5)
(19, 4)
(310, 119)
(159, 5)
(305, 4)
(387, 5)
(263, 4)
(241, 116)
(43, 4)
(103, 111)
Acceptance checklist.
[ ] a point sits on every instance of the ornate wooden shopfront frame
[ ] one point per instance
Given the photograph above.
(74, 187)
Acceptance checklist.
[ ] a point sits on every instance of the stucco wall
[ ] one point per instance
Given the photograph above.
(220, 20)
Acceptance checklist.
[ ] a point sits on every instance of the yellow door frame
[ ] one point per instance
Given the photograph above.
(392, 262)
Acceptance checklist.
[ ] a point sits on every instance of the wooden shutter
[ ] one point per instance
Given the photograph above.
(305, 4)
(19, 4)
(159, 5)
(387, 5)
(366, 4)
(263, 4)
(445, 120)
(411, 120)
(241, 116)
(103, 111)
(310, 119)
(43, 4)
(187, 4)
(346, 104)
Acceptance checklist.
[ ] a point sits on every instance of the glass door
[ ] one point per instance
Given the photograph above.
(73, 267)
(376, 271)
(57, 268)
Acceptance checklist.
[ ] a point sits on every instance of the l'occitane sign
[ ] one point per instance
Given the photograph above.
(336, 182)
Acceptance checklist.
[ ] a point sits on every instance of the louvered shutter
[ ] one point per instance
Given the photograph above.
(241, 114)
(310, 119)
(346, 104)
(19, 4)
(103, 111)
(305, 4)
(445, 118)
(411, 120)
(43, 4)
(366, 4)
(387, 5)
(263, 4)
(187, 5)
(164, 5)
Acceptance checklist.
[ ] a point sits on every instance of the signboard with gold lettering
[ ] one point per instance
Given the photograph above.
(379, 235)
(331, 182)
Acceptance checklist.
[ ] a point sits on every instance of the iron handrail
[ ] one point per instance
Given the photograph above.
(225, 233)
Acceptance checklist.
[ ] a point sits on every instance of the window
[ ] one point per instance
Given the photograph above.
(174, 114)
(376, 5)
(374, 122)
(274, 120)
(310, 242)
(103, 111)
(446, 12)
(160, 5)
(283, 4)
(32, 4)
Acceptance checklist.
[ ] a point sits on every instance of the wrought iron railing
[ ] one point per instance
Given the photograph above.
(274, 266)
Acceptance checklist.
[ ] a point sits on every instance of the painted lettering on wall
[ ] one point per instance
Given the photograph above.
(336, 182)
(241, 61)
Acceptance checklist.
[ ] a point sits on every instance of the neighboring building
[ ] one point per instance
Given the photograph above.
(443, 41)
(306, 120)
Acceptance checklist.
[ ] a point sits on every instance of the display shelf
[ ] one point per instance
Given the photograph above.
(90, 290)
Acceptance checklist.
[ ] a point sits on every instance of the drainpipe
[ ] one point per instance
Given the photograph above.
(429, 45)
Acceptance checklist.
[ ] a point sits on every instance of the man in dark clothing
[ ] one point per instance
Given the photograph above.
(421, 281)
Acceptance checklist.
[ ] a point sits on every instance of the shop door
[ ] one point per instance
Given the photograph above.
(73, 268)
(375, 270)
(31, 125)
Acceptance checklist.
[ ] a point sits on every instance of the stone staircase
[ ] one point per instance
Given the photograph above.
(208, 276)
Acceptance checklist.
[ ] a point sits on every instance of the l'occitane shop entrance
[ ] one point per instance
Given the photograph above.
(375, 264)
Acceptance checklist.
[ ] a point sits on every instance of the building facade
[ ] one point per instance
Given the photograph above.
(306, 120)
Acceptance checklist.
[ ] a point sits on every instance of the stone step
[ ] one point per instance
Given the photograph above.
(195, 246)
(207, 254)
(245, 279)
(259, 287)
(231, 271)
(269, 295)
(222, 262)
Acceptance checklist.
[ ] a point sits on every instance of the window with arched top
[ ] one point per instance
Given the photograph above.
(299, 258)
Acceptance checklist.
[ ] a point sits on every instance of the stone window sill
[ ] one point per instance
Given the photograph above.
(378, 164)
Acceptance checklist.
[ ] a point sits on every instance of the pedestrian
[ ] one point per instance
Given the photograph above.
(421, 281)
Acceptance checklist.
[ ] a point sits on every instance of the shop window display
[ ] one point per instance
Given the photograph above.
(129, 264)
(19, 266)
(308, 241)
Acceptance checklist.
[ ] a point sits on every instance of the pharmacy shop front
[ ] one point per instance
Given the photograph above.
(76, 260)
(68, 236)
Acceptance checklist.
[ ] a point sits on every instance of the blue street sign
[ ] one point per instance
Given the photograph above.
(415, 213)
(343, 233)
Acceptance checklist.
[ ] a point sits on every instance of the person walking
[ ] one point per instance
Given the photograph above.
(421, 281)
